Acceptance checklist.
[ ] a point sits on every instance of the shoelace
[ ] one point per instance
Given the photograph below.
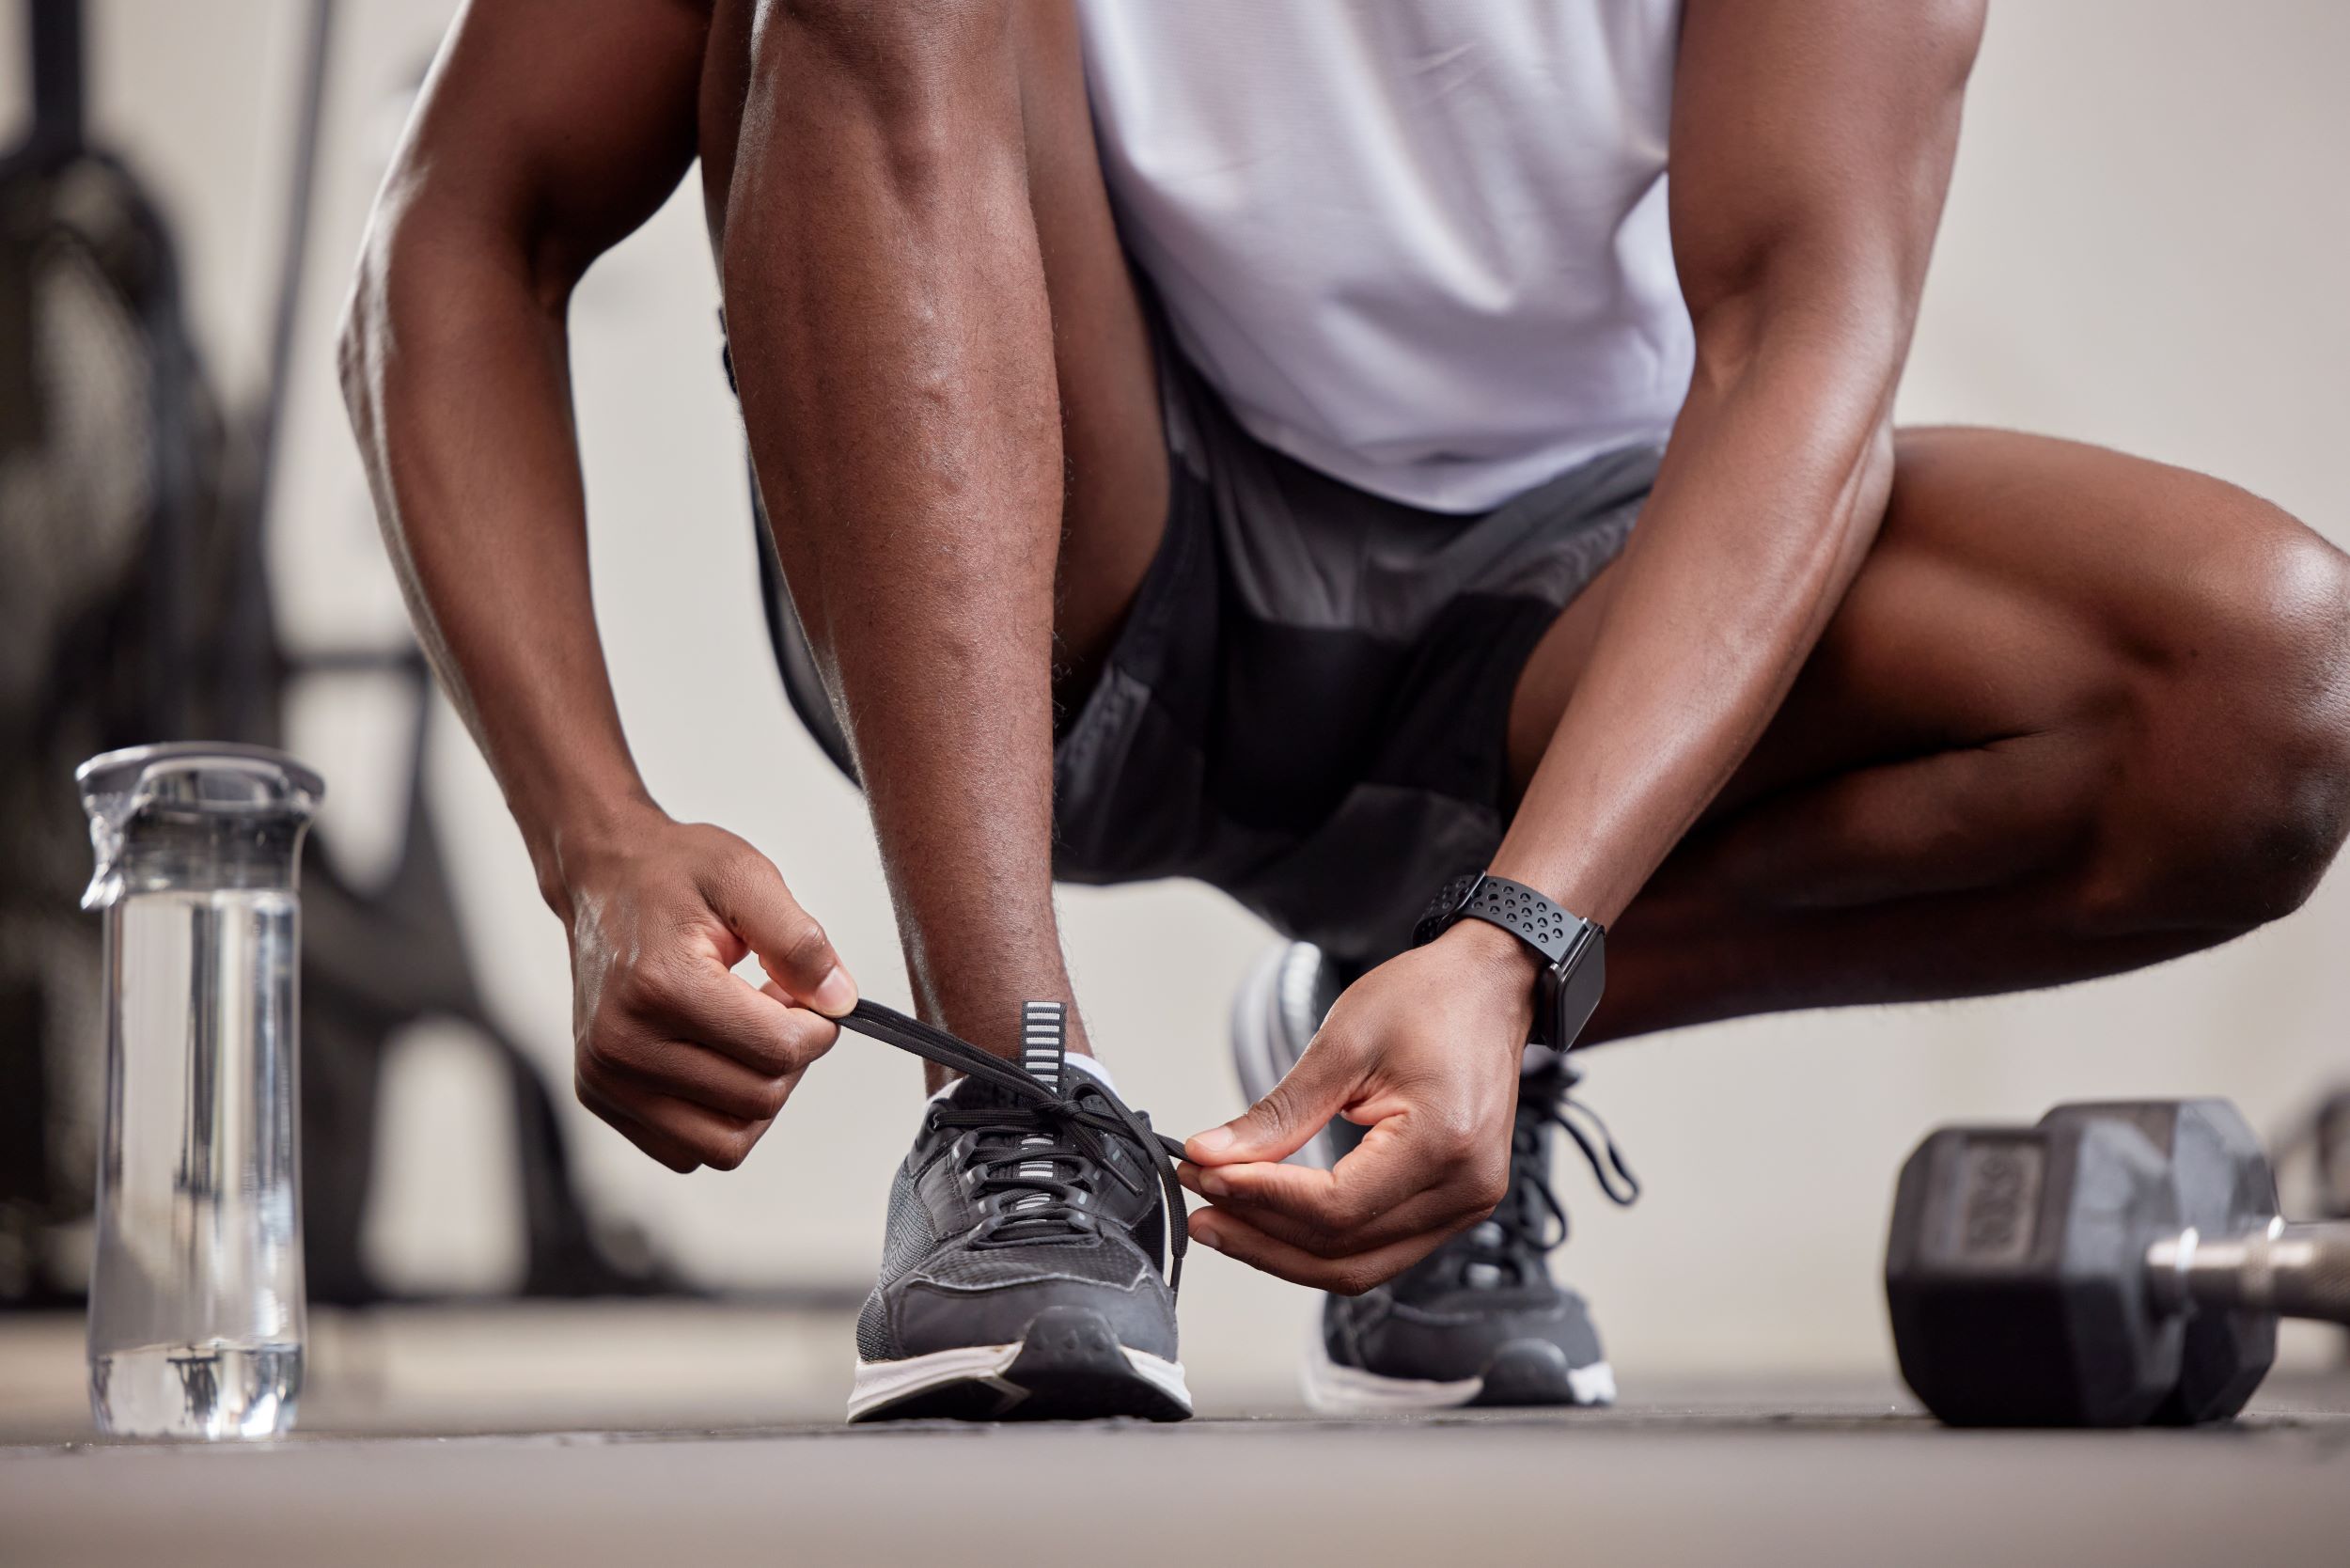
(1077, 1128)
(1531, 1221)
(1039, 1181)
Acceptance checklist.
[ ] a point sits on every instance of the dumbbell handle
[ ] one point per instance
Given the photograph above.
(2295, 1270)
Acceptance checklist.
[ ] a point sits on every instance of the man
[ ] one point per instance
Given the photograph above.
(1207, 439)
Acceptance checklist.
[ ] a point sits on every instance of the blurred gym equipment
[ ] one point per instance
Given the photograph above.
(2115, 1264)
(135, 607)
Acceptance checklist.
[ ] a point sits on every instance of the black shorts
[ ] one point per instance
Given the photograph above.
(1307, 704)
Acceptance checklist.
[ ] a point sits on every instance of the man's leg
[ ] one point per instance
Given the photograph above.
(937, 344)
(2080, 712)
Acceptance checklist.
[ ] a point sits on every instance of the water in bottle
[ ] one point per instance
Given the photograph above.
(196, 1299)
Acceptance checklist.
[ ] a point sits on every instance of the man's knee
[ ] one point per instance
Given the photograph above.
(901, 52)
(2235, 795)
(926, 85)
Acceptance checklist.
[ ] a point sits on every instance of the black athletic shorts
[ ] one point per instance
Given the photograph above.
(1307, 702)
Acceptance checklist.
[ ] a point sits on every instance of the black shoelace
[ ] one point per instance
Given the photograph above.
(1067, 1118)
(1531, 1221)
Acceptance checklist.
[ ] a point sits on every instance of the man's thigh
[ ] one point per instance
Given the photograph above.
(2027, 586)
(1112, 438)
(2077, 712)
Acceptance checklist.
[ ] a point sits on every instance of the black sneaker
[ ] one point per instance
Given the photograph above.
(1020, 1276)
(1478, 1321)
(1274, 1014)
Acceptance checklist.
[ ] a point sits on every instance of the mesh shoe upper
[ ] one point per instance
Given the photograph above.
(1001, 1210)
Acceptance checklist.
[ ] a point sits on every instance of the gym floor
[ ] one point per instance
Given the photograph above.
(1755, 1472)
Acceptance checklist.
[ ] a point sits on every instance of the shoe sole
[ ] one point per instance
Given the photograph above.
(1258, 1055)
(1067, 1367)
(1525, 1372)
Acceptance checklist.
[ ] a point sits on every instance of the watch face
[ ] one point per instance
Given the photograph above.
(1579, 979)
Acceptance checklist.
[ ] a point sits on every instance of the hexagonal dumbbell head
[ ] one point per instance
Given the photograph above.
(2015, 1274)
(2333, 1156)
(2222, 1183)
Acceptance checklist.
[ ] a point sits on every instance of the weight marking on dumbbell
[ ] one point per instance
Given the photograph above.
(2002, 1190)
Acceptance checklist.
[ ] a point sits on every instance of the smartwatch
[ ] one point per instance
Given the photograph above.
(1573, 949)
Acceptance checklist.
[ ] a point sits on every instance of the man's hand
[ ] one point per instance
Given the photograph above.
(687, 1059)
(1425, 1052)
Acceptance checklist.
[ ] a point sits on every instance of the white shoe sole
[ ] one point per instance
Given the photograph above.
(1332, 1389)
(882, 1384)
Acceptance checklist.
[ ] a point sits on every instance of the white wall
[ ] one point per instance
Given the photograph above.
(2142, 248)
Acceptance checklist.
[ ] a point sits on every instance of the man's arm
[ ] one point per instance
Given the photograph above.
(1812, 147)
(547, 132)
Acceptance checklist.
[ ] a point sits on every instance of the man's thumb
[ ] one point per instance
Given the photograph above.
(751, 898)
(1279, 1126)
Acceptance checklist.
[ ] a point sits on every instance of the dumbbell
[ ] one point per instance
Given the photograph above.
(2115, 1264)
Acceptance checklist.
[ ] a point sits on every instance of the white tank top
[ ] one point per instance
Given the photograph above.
(1419, 244)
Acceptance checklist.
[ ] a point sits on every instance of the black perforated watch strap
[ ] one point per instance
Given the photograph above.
(1514, 907)
(1517, 908)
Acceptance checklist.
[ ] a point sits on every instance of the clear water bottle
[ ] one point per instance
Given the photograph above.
(195, 1297)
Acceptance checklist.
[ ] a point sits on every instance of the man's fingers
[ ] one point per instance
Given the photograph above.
(697, 1064)
(749, 896)
(1300, 1105)
(719, 1140)
(708, 1037)
(1320, 1212)
(661, 1146)
(1407, 1176)
(1235, 1237)
(678, 1132)
(688, 1071)
(759, 1025)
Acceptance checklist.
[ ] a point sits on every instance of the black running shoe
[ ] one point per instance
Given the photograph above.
(1020, 1276)
(1478, 1321)
(1274, 1014)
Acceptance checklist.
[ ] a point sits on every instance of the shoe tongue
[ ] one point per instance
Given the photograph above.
(1044, 1051)
(1045, 1042)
